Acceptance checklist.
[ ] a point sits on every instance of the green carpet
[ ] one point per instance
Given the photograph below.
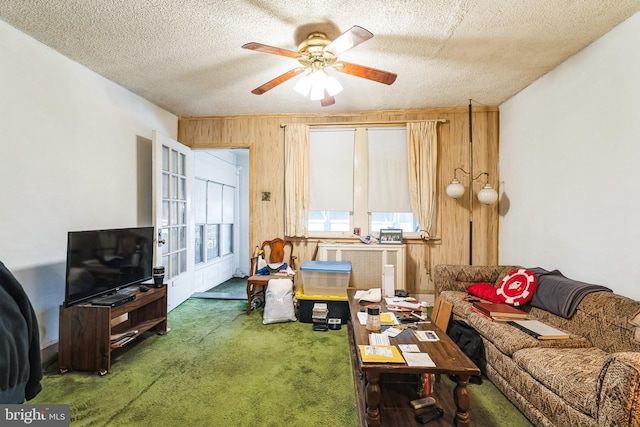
(219, 367)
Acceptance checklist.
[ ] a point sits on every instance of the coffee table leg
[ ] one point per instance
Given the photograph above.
(373, 399)
(462, 400)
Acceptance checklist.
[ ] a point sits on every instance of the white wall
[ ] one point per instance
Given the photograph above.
(75, 155)
(243, 205)
(569, 149)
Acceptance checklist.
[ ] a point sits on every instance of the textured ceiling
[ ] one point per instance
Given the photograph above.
(186, 55)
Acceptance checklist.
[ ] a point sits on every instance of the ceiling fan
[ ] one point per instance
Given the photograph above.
(317, 53)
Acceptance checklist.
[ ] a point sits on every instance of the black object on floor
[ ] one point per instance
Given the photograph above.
(470, 342)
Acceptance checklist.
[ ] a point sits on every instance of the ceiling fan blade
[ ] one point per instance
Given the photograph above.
(278, 80)
(365, 72)
(327, 100)
(270, 49)
(350, 38)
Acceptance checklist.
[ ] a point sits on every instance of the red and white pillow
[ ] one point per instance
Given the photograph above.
(517, 287)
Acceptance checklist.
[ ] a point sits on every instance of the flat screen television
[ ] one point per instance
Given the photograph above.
(100, 262)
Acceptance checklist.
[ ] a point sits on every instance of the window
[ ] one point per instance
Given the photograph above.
(358, 179)
(214, 211)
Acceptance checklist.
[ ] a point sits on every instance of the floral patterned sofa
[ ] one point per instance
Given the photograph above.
(591, 379)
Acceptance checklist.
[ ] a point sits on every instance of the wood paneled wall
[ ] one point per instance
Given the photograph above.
(264, 136)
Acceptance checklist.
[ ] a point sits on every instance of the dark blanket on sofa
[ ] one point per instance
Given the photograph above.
(558, 294)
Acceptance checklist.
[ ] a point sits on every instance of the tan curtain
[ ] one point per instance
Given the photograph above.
(296, 177)
(422, 149)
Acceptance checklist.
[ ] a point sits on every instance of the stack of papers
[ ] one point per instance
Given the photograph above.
(418, 359)
(413, 356)
(380, 354)
(402, 304)
(379, 339)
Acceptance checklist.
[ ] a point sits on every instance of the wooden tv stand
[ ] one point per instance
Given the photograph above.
(86, 330)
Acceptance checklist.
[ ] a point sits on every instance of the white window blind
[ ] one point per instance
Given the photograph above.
(387, 165)
(228, 204)
(200, 202)
(331, 169)
(214, 203)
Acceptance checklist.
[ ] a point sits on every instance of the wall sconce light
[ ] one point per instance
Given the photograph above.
(455, 189)
(487, 195)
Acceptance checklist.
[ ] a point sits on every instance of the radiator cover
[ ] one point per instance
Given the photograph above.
(367, 262)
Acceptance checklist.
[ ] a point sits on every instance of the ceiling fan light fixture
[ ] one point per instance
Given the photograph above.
(303, 87)
(333, 86)
(315, 83)
(317, 92)
(316, 54)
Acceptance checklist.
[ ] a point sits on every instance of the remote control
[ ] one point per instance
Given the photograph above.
(430, 414)
(421, 403)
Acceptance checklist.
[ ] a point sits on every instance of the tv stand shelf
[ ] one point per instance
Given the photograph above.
(86, 330)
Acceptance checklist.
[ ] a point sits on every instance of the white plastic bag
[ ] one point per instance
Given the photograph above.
(278, 304)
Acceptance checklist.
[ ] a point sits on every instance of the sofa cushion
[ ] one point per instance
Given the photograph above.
(602, 318)
(570, 373)
(461, 308)
(509, 339)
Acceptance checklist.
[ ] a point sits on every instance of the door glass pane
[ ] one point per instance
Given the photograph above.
(173, 240)
(183, 261)
(165, 186)
(183, 237)
(165, 237)
(165, 213)
(165, 158)
(182, 213)
(174, 187)
(174, 213)
(181, 164)
(182, 189)
(174, 161)
(174, 265)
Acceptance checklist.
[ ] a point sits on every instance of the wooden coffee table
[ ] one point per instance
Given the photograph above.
(446, 355)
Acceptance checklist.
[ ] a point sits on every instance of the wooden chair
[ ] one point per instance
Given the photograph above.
(441, 313)
(274, 251)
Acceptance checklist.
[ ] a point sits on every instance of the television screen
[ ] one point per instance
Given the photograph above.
(102, 261)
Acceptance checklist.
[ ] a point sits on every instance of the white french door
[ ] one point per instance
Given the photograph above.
(173, 178)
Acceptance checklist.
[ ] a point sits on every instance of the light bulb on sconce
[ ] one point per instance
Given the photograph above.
(487, 195)
(455, 190)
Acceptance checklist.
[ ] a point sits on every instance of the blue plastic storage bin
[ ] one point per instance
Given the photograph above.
(326, 278)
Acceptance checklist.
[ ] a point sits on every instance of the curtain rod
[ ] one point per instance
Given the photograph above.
(403, 122)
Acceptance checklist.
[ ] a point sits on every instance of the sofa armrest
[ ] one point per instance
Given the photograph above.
(449, 277)
(619, 390)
